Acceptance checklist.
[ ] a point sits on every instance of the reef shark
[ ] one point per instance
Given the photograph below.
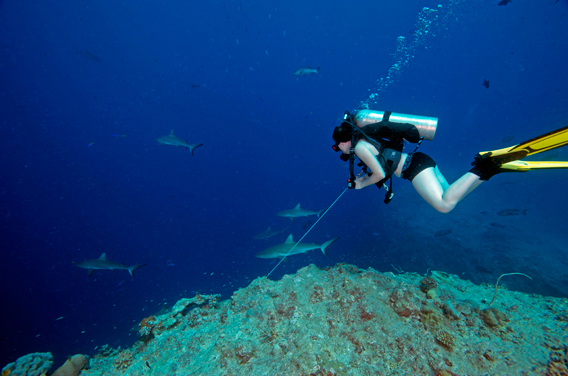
(306, 71)
(269, 233)
(172, 140)
(298, 212)
(281, 250)
(103, 264)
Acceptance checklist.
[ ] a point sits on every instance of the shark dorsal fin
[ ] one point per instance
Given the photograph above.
(297, 207)
(172, 132)
(289, 239)
(103, 256)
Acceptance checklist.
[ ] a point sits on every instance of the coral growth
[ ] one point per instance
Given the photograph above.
(558, 363)
(123, 360)
(446, 339)
(427, 284)
(35, 364)
(341, 321)
(146, 326)
(73, 366)
(493, 318)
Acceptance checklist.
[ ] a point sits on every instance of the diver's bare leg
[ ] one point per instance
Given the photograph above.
(430, 185)
(441, 178)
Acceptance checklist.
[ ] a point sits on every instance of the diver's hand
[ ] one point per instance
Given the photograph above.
(360, 182)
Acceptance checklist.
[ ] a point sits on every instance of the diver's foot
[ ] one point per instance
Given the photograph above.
(485, 168)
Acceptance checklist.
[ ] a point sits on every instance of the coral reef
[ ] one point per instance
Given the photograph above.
(558, 363)
(35, 364)
(155, 325)
(446, 339)
(146, 327)
(73, 366)
(347, 321)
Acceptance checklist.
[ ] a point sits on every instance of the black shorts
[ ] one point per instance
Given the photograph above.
(418, 163)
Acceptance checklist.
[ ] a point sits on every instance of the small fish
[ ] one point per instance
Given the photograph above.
(509, 212)
(269, 233)
(437, 234)
(89, 55)
(91, 144)
(497, 225)
(118, 135)
(195, 85)
(483, 269)
(504, 2)
(486, 82)
(148, 365)
(507, 138)
(306, 225)
(306, 71)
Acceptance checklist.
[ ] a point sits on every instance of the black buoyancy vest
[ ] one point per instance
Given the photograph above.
(388, 137)
(393, 133)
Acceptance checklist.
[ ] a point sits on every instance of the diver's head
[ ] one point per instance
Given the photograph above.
(342, 133)
(342, 137)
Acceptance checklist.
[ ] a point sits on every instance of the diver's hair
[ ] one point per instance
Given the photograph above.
(342, 133)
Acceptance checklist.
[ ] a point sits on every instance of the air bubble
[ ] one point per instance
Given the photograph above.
(404, 53)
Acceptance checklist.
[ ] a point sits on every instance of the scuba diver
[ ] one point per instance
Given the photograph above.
(377, 139)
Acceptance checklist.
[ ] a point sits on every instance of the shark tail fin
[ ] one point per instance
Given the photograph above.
(321, 212)
(193, 147)
(132, 268)
(327, 244)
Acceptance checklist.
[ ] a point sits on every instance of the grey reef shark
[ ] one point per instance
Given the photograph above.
(103, 264)
(298, 212)
(172, 140)
(281, 250)
(269, 233)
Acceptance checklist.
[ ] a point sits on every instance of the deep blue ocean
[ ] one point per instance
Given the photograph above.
(86, 87)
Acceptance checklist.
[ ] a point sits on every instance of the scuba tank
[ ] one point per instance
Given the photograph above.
(425, 125)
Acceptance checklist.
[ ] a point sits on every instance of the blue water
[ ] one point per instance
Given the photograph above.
(74, 74)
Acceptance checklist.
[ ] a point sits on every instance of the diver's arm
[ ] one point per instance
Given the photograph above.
(365, 155)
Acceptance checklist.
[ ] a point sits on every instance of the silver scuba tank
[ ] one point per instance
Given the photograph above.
(426, 125)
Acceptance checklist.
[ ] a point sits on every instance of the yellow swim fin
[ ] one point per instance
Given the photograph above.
(545, 142)
(523, 166)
